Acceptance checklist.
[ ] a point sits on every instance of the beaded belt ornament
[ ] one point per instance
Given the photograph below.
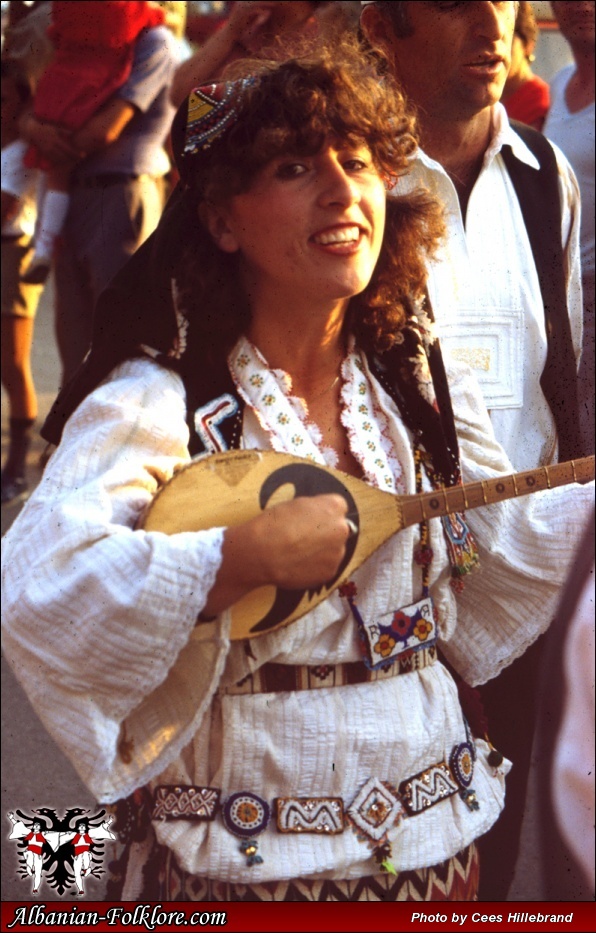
(185, 802)
(323, 815)
(247, 815)
(377, 807)
(279, 678)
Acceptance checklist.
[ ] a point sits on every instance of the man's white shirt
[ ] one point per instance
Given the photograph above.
(486, 296)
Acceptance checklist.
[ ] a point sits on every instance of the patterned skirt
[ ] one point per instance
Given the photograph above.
(159, 877)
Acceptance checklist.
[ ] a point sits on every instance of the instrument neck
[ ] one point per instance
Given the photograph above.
(471, 495)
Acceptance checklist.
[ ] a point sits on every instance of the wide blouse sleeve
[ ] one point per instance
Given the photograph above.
(99, 619)
(526, 546)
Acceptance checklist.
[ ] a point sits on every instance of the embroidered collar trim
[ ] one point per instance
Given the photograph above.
(285, 417)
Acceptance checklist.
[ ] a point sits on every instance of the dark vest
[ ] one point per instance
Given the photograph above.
(538, 196)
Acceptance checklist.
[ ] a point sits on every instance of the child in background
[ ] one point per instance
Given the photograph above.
(94, 45)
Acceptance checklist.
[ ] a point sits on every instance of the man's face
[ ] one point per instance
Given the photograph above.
(455, 62)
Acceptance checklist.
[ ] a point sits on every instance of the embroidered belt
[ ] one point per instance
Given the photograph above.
(376, 806)
(185, 802)
(279, 678)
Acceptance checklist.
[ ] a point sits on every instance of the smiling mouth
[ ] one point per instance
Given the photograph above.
(339, 235)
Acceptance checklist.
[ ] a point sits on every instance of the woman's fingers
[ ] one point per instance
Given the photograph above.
(294, 545)
(302, 542)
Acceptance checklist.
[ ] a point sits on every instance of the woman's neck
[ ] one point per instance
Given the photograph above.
(308, 344)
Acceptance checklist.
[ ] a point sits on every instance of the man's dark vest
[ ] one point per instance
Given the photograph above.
(539, 200)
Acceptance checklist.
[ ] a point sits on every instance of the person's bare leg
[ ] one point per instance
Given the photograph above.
(17, 379)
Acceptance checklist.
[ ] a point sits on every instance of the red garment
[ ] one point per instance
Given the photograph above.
(94, 50)
(530, 103)
(82, 842)
(35, 842)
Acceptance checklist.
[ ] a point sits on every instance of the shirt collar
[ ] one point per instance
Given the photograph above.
(505, 135)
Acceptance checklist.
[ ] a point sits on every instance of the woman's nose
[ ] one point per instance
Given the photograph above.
(338, 187)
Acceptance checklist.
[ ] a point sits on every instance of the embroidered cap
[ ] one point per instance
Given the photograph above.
(206, 115)
(211, 110)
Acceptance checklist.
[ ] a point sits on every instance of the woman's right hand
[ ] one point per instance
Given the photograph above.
(294, 545)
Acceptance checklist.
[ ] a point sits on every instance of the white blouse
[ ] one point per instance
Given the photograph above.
(99, 622)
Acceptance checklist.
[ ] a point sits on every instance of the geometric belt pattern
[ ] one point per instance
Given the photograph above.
(324, 815)
(185, 802)
(376, 807)
(455, 879)
(427, 788)
(285, 678)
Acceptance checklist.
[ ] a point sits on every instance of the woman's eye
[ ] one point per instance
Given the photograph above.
(355, 165)
(290, 169)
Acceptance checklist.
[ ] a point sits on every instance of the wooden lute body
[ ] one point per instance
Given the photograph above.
(230, 488)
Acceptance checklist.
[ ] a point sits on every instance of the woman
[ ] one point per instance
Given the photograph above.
(297, 288)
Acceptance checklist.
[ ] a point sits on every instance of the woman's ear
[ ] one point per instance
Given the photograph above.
(214, 219)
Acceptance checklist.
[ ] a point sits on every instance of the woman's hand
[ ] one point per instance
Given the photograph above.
(293, 545)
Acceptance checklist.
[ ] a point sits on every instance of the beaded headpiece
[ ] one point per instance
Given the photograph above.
(211, 110)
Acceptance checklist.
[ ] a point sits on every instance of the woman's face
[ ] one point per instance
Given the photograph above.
(309, 227)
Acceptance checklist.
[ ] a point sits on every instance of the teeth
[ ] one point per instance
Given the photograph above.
(345, 235)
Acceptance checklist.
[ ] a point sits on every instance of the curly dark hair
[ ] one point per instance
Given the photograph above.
(293, 107)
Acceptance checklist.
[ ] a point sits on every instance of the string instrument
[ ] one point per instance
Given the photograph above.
(230, 488)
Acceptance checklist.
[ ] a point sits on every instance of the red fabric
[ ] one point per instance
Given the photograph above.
(35, 842)
(530, 103)
(82, 843)
(101, 23)
(94, 50)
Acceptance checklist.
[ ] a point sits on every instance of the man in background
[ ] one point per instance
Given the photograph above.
(452, 60)
(570, 124)
(116, 191)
